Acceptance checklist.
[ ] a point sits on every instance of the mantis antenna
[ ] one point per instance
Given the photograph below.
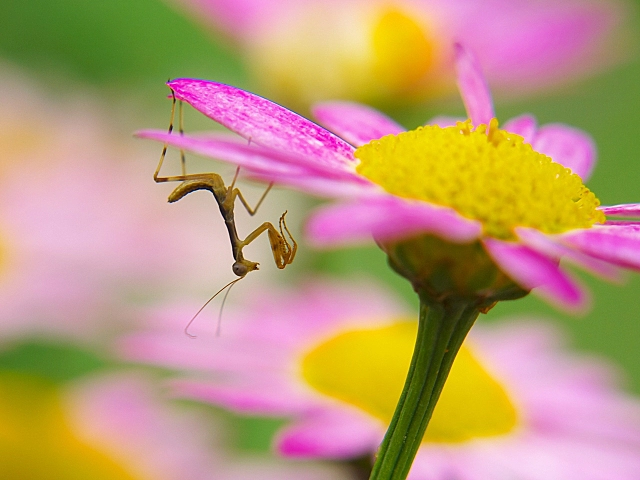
(229, 285)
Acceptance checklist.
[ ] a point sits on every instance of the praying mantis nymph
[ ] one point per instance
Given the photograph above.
(283, 251)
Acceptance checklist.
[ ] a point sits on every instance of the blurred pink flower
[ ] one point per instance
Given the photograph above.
(85, 233)
(381, 51)
(332, 358)
(121, 417)
(115, 427)
(518, 191)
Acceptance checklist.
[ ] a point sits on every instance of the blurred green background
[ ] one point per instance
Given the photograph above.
(124, 51)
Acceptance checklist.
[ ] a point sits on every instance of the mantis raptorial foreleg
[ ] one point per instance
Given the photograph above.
(283, 251)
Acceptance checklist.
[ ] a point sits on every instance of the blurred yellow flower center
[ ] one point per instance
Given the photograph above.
(37, 443)
(367, 51)
(490, 176)
(367, 368)
(403, 53)
(4, 250)
(23, 139)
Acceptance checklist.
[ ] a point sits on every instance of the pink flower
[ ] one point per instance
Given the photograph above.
(376, 50)
(464, 183)
(332, 358)
(115, 427)
(85, 234)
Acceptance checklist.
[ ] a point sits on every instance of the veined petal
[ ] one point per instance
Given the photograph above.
(533, 270)
(226, 148)
(387, 218)
(555, 249)
(318, 186)
(623, 210)
(568, 146)
(524, 125)
(618, 244)
(356, 123)
(473, 87)
(269, 164)
(330, 434)
(263, 122)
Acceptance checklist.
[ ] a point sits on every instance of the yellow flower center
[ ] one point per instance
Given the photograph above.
(490, 176)
(403, 52)
(37, 443)
(367, 368)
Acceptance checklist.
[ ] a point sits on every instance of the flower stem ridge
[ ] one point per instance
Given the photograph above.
(442, 328)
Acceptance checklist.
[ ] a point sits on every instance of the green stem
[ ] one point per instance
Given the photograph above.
(441, 330)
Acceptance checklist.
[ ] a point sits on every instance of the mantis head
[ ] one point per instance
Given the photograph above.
(242, 267)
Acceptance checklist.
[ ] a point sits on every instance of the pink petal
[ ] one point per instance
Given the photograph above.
(624, 210)
(269, 164)
(530, 45)
(556, 250)
(249, 397)
(271, 315)
(240, 19)
(527, 340)
(524, 125)
(206, 353)
(386, 217)
(432, 463)
(322, 187)
(630, 227)
(263, 122)
(473, 87)
(532, 270)
(356, 123)
(256, 467)
(568, 146)
(618, 244)
(331, 433)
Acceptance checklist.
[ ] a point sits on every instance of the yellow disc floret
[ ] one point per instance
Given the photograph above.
(485, 174)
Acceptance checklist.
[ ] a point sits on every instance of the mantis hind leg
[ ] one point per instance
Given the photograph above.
(198, 181)
(183, 161)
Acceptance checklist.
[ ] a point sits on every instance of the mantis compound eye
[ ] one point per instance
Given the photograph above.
(240, 269)
(243, 267)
